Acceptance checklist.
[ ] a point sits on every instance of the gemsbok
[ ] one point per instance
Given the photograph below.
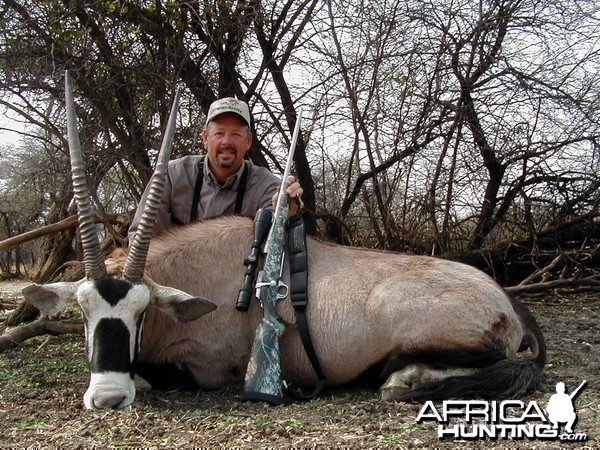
(432, 328)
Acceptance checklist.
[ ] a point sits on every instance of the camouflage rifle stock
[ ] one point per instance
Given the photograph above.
(263, 377)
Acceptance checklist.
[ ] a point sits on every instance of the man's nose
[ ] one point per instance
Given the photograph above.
(227, 139)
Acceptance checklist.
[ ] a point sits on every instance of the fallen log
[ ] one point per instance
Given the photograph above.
(11, 338)
(65, 224)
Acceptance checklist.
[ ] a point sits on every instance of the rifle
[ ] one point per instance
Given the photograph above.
(263, 377)
(576, 391)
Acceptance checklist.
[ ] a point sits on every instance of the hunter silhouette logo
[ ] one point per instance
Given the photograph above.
(561, 409)
(507, 419)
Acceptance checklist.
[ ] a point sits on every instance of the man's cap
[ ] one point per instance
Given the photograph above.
(228, 105)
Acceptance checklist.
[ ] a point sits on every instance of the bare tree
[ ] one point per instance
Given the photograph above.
(438, 127)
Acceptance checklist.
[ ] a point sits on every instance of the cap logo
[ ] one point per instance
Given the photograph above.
(231, 105)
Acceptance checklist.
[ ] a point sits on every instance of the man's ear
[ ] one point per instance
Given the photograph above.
(180, 305)
(51, 298)
(248, 140)
(205, 137)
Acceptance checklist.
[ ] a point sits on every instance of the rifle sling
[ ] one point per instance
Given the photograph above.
(299, 296)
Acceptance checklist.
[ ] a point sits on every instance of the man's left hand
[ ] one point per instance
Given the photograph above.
(294, 190)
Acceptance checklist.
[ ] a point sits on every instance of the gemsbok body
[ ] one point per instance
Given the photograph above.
(432, 328)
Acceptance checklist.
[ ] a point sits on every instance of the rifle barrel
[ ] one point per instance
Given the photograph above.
(576, 391)
(290, 160)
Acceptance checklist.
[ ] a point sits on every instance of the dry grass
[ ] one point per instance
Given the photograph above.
(43, 381)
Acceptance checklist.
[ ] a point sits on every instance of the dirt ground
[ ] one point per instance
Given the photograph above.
(43, 380)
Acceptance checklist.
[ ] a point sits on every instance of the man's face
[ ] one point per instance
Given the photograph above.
(227, 139)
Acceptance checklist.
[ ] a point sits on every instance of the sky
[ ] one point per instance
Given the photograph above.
(9, 137)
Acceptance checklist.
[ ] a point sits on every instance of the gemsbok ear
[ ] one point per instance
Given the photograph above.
(51, 298)
(180, 305)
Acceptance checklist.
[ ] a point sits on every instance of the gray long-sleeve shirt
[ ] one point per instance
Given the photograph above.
(215, 199)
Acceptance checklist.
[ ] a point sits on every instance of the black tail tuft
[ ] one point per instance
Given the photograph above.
(509, 378)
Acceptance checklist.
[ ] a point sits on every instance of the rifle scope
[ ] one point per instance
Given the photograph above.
(262, 225)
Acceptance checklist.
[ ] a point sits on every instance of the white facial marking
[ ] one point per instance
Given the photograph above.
(111, 389)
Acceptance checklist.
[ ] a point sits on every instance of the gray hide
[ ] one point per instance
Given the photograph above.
(364, 307)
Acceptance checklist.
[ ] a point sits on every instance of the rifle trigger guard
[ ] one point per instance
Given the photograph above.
(282, 288)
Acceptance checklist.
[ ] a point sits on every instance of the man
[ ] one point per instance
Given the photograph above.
(222, 182)
(560, 408)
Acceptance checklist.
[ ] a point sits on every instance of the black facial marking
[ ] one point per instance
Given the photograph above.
(112, 289)
(138, 343)
(111, 347)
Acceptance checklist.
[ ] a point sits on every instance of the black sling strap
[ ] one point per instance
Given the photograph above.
(299, 296)
(197, 190)
(241, 190)
(239, 199)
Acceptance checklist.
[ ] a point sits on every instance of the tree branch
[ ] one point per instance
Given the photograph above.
(559, 260)
(65, 224)
(591, 283)
(15, 336)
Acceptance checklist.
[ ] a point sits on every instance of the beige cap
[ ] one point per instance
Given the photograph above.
(229, 105)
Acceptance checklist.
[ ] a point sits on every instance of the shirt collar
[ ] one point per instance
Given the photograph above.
(232, 182)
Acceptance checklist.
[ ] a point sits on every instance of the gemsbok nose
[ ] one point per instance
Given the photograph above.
(109, 391)
(108, 400)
